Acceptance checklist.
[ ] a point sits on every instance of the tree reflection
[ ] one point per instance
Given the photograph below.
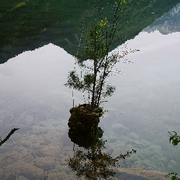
(90, 159)
(8, 136)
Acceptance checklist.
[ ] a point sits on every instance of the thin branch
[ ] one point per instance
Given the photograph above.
(8, 136)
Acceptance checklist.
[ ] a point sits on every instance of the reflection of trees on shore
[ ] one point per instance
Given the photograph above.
(8, 136)
(93, 162)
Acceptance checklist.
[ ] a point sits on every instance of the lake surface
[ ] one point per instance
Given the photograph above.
(144, 107)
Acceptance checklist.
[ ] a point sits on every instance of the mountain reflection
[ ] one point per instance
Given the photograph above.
(90, 159)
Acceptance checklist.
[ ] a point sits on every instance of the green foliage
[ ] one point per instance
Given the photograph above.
(109, 90)
(174, 138)
(173, 176)
(88, 81)
(95, 44)
(74, 81)
(99, 40)
(103, 23)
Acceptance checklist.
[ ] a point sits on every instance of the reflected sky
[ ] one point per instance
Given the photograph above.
(144, 107)
(147, 100)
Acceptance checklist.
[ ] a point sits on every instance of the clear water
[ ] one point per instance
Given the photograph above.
(143, 109)
(146, 103)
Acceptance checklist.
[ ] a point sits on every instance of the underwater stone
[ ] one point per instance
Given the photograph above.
(21, 178)
(58, 176)
(50, 150)
(45, 163)
(29, 170)
(1, 173)
(64, 160)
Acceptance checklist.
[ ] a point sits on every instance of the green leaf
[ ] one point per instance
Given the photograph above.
(74, 81)
(88, 80)
(174, 138)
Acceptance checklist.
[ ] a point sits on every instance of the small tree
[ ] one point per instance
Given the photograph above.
(96, 73)
(98, 42)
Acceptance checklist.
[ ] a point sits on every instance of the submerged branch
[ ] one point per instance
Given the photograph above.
(8, 136)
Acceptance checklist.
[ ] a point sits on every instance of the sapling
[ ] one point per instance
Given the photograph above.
(98, 42)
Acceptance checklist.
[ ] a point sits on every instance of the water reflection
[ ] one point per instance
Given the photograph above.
(87, 139)
(58, 22)
(141, 112)
(90, 160)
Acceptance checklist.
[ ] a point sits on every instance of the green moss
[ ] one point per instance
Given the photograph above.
(84, 119)
(83, 124)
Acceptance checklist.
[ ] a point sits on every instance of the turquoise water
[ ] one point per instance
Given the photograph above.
(143, 109)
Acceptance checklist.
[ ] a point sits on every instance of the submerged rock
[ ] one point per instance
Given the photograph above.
(140, 174)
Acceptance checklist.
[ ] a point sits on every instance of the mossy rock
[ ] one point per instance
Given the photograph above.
(83, 118)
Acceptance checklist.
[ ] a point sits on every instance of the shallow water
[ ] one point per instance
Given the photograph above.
(143, 109)
(147, 100)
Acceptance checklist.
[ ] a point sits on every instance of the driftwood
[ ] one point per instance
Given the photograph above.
(8, 136)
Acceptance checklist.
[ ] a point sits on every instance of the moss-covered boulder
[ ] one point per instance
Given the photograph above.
(84, 118)
(83, 124)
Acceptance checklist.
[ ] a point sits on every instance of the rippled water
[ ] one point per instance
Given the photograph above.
(143, 109)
